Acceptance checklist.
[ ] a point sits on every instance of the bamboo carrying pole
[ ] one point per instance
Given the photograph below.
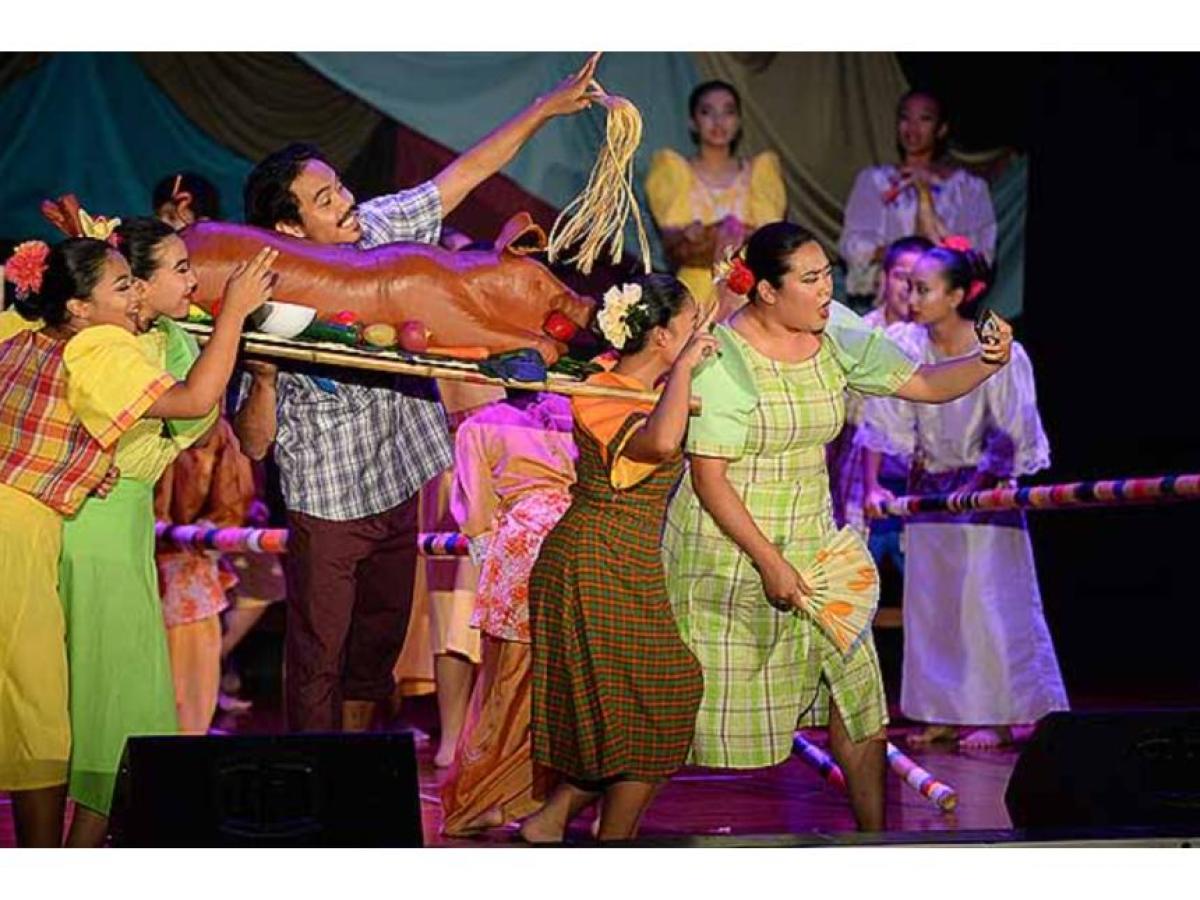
(271, 348)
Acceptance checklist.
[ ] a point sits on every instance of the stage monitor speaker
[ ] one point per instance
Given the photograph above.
(303, 790)
(1109, 769)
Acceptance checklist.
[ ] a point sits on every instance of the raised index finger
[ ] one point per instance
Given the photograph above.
(589, 67)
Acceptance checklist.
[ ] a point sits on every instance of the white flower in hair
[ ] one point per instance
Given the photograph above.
(613, 317)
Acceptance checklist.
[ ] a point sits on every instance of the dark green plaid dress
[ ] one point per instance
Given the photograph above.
(615, 689)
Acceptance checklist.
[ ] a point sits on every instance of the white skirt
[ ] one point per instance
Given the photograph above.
(976, 647)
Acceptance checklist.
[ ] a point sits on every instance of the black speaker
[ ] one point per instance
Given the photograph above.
(303, 790)
(1109, 769)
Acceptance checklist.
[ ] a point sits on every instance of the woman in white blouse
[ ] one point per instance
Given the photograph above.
(977, 651)
(924, 195)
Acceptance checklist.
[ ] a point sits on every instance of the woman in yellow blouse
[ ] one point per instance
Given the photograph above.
(73, 380)
(713, 201)
(119, 665)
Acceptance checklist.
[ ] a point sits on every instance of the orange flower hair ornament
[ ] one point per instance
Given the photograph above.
(27, 266)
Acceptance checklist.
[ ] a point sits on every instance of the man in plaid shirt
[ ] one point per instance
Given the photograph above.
(354, 453)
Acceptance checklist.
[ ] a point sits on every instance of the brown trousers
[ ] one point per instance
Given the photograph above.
(350, 587)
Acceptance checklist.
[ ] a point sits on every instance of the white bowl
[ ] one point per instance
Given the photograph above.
(284, 319)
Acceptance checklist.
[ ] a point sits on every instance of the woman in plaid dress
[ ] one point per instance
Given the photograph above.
(615, 690)
(757, 507)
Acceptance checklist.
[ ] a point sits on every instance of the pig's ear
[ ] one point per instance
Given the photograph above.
(521, 236)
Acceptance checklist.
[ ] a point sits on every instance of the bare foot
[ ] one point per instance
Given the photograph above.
(445, 756)
(933, 734)
(1022, 733)
(232, 704)
(594, 829)
(492, 818)
(987, 738)
(537, 830)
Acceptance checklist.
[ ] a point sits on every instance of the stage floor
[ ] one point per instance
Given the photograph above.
(788, 799)
(788, 804)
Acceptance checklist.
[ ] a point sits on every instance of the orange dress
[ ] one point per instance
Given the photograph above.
(514, 464)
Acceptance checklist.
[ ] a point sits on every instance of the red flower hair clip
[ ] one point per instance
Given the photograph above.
(740, 279)
(733, 272)
(957, 242)
(27, 266)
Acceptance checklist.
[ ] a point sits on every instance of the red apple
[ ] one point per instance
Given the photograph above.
(559, 327)
(414, 336)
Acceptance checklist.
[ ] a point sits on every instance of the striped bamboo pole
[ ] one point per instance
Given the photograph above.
(274, 540)
(920, 780)
(821, 761)
(1117, 492)
(443, 543)
(225, 540)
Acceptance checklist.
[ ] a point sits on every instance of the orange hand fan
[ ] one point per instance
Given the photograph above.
(845, 589)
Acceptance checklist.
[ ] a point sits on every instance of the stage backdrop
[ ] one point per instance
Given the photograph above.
(93, 124)
(97, 125)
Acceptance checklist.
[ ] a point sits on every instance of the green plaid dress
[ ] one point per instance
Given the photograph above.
(615, 690)
(768, 672)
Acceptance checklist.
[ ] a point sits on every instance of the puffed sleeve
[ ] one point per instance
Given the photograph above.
(768, 196)
(110, 382)
(613, 421)
(873, 362)
(975, 217)
(1015, 443)
(13, 323)
(728, 397)
(668, 184)
(472, 499)
(862, 233)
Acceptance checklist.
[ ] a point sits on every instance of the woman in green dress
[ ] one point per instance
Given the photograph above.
(756, 507)
(119, 667)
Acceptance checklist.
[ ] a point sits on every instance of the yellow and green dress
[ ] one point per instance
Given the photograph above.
(63, 405)
(120, 669)
(768, 672)
(678, 197)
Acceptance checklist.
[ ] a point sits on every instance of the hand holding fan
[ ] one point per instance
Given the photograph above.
(845, 589)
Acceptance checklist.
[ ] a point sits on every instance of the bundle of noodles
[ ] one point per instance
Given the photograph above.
(845, 589)
(599, 213)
